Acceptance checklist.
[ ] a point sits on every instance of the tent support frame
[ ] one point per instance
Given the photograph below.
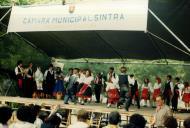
(169, 30)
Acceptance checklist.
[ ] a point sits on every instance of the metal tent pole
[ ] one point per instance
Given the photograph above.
(172, 33)
(5, 14)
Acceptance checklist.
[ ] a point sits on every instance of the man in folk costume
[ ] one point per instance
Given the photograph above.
(123, 85)
(175, 96)
(157, 90)
(29, 86)
(98, 82)
(85, 92)
(19, 72)
(133, 87)
(168, 90)
(146, 92)
(71, 88)
(49, 78)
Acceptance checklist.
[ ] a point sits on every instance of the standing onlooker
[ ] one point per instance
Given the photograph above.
(98, 82)
(186, 95)
(162, 112)
(168, 90)
(49, 78)
(175, 95)
(38, 76)
(114, 120)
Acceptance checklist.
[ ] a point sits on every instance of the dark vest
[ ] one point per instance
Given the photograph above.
(50, 77)
(167, 89)
(19, 76)
(123, 80)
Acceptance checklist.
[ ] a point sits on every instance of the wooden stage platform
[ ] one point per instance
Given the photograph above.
(91, 107)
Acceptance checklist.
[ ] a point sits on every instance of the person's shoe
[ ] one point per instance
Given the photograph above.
(108, 105)
(66, 103)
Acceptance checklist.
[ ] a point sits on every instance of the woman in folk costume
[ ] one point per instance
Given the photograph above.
(38, 76)
(157, 90)
(186, 95)
(85, 92)
(112, 91)
(112, 87)
(59, 84)
(146, 91)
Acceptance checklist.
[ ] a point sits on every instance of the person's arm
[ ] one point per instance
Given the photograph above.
(172, 87)
(45, 74)
(16, 71)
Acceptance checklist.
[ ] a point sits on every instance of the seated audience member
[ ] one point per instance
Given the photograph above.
(114, 119)
(5, 115)
(186, 123)
(162, 112)
(82, 119)
(24, 117)
(43, 115)
(170, 122)
(35, 109)
(136, 121)
(53, 121)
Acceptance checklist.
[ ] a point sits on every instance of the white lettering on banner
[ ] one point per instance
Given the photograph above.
(74, 19)
(110, 15)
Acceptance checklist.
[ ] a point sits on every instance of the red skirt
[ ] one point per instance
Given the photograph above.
(85, 92)
(113, 96)
(20, 82)
(156, 93)
(145, 94)
(186, 97)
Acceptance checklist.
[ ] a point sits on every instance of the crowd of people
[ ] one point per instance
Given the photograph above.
(32, 116)
(79, 85)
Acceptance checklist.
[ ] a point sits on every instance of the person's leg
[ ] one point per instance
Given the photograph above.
(168, 100)
(67, 96)
(96, 92)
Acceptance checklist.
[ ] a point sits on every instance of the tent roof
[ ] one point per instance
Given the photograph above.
(121, 44)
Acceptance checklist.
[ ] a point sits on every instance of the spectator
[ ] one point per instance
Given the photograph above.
(43, 115)
(24, 117)
(5, 115)
(114, 119)
(170, 122)
(162, 112)
(186, 123)
(82, 118)
(133, 121)
(53, 121)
